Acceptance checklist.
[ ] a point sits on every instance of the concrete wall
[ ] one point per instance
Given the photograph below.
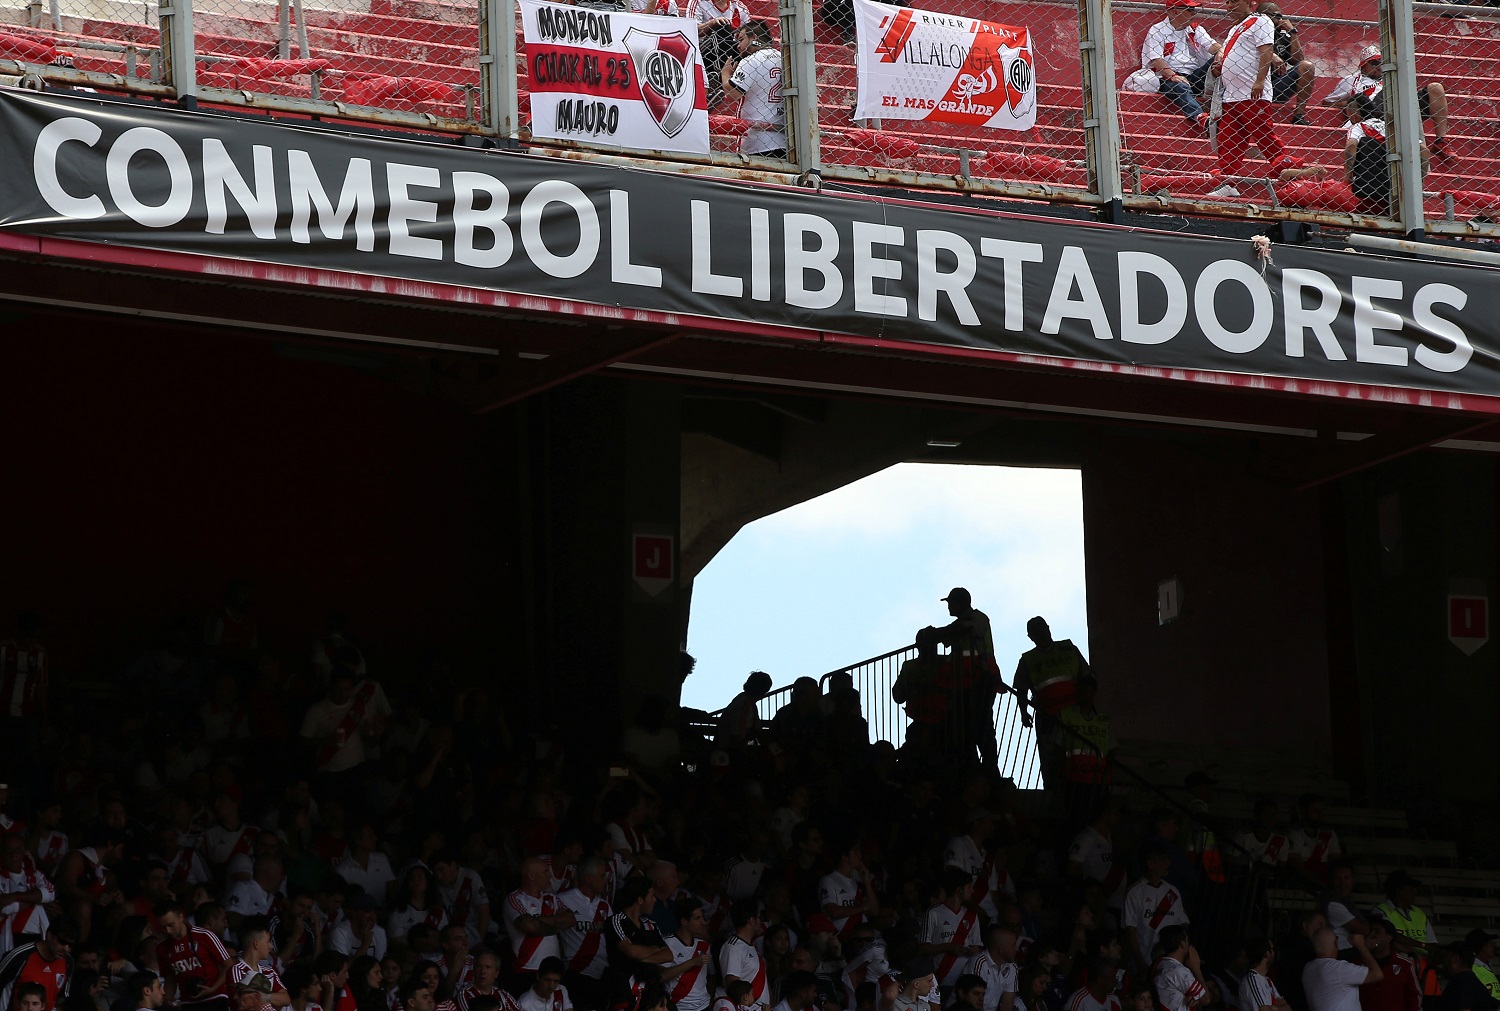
(1246, 663)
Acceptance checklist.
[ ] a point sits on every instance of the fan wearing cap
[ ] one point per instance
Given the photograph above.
(1398, 988)
(1411, 923)
(1179, 50)
(977, 674)
(1368, 80)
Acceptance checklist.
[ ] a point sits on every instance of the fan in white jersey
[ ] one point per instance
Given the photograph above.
(585, 955)
(755, 79)
(950, 930)
(255, 957)
(1098, 994)
(686, 976)
(1257, 992)
(1151, 904)
(996, 965)
(846, 894)
(547, 992)
(1178, 974)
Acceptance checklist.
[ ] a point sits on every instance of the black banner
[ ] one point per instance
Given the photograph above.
(79, 168)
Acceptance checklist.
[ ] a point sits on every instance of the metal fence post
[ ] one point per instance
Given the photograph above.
(801, 98)
(1399, 46)
(175, 23)
(497, 66)
(1101, 112)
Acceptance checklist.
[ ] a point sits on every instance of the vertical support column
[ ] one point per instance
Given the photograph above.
(178, 47)
(1101, 110)
(800, 65)
(497, 66)
(1399, 47)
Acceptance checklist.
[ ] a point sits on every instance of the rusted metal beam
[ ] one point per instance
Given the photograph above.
(554, 370)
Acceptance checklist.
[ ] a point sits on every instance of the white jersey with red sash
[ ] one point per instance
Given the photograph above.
(1315, 848)
(837, 889)
(530, 949)
(348, 726)
(23, 917)
(1272, 852)
(944, 925)
(1148, 908)
(50, 849)
(689, 991)
(866, 967)
(23, 677)
(1177, 989)
(583, 948)
(738, 958)
(1240, 60)
(463, 900)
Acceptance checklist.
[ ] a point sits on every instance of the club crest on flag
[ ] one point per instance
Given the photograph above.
(664, 72)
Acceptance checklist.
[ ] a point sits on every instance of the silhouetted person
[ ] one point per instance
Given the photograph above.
(975, 672)
(1047, 682)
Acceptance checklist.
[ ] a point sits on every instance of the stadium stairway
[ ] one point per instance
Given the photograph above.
(1458, 895)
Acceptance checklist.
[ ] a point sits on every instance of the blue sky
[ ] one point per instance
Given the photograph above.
(854, 573)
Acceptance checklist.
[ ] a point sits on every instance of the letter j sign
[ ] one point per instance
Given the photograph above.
(1468, 622)
(653, 561)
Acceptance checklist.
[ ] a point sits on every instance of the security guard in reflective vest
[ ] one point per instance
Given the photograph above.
(1483, 944)
(1411, 923)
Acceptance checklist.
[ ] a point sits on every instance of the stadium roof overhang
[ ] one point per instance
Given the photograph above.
(1389, 356)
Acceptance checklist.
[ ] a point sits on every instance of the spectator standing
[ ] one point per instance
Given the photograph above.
(337, 727)
(1413, 927)
(1151, 905)
(1398, 988)
(1483, 943)
(1086, 739)
(24, 892)
(584, 955)
(686, 975)
(24, 675)
(1046, 684)
(1314, 844)
(1338, 906)
(950, 930)
(1291, 73)
(1464, 991)
(533, 919)
(1257, 992)
(1178, 974)
(846, 894)
(738, 959)
(755, 81)
(1091, 856)
(1332, 984)
(1243, 67)
(972, 666)
(1180, 51)
(463, 894)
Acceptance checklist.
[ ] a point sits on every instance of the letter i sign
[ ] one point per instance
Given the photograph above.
(1468, 622)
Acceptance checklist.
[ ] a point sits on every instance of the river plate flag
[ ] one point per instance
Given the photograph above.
(942, 68)
(631, 80)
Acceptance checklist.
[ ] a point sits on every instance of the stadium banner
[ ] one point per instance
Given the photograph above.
(632, 80)
(149, 177)
(942, 68)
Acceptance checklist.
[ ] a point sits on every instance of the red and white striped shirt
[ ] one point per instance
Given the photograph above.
(23, 677)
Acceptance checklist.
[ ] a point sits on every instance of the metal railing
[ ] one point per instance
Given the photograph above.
(455, 66)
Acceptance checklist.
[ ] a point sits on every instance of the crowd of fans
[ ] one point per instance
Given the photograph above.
(238, 830)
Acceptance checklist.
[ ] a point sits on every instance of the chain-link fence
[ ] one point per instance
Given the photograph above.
(368, 56)
(1221, 110)
(1458, 99)
(1240, 106)
(1002, 105)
